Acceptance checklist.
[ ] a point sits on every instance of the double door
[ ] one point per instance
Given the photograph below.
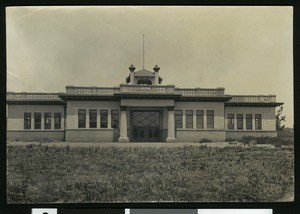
(145, 126)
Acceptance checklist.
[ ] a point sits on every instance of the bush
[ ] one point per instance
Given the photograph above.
(277, 144)
(205, 140)
(230, 139)
(284, 141)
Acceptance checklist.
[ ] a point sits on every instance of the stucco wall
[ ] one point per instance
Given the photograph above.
(218, 108)
(92, 135)
(33, 135)
(197, 135)
(237, 135)
(73, 106)
(268, 116)
(15, 120)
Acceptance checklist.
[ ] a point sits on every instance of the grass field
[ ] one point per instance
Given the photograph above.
(43, 174)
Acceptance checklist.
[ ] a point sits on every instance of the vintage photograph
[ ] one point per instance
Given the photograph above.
(131, 104)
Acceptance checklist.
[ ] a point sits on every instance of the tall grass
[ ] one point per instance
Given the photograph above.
(42, 174)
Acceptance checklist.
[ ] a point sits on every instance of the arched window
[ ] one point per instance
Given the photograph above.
(144, 82)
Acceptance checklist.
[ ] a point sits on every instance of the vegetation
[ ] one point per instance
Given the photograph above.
(43, 174)
(279, 119)
(205, 140)
(282, 141)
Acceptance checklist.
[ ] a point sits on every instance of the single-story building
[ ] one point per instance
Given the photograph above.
(140, 110)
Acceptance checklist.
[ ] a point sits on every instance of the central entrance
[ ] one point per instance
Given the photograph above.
(145, 125)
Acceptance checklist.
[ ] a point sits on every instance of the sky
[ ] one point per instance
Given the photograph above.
(248, 50)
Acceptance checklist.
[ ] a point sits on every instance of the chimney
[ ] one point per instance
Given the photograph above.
(131, 68)
(156, 70)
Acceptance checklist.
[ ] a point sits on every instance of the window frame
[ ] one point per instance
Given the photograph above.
(240, 122)
(258, 122)
(55, 116)
(47, 123)
(179, 119)
(230, 121)
(210, 124)
(189, 120)
(105, 122)
(249, 126)
(37, 120)
(92, 118)
(200, 119)
(27, 121)
(82, 121)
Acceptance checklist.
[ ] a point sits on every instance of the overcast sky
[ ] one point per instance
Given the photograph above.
(246, 50)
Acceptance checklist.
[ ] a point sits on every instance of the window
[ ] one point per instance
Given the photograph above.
(239, 124)
(47, 120)
(37, 120)
(81, 118)
(230, 121)
(27, 120)
(57, 120)
(103, 118)
(199, 119)
(210, 119)
(189, 119)
(93, 118)
(178, 119)
(249, 121)
(115, 118)
(258, 121)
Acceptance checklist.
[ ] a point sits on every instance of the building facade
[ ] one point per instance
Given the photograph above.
(140, 110)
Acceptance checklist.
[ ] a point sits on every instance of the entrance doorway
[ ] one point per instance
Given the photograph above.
(145, 126)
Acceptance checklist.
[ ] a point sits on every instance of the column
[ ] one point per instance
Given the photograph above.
(171, 125)
(123, 126)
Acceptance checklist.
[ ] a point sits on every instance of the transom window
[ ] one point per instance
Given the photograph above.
(146, 118)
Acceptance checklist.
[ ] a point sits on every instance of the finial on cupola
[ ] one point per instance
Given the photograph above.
(131, 68)
(156, 68)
